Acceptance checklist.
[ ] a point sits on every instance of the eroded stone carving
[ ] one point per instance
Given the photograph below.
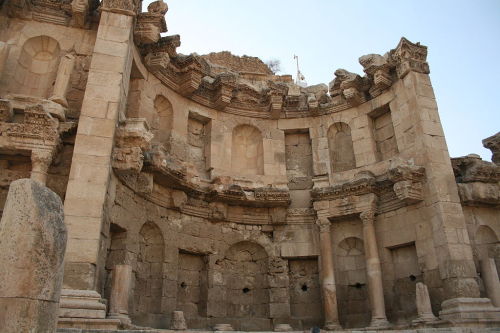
(409, 57)
(493, 143)
(378, 69)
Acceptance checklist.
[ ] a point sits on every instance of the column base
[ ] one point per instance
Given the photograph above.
(123, 318)
(84, 309)
(223, 327)
(283, 328)
(470, 310)
(332, 326)
(427, 319)
(379, 323)
(81, 304)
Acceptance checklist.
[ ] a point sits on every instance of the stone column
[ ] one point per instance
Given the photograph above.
(4, 54)
(373, 270)
(89, 179)
(327, 276)
(40, 163)
(489, 275)
(120, 290)
(32, 245)
(62, 80)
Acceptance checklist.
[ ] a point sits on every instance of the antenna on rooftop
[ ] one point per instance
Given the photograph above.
(300, 79)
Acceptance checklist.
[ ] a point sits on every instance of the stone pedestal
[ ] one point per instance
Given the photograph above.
(32, 246)
(81, 304)
(374, 271)
(178, 321)
(327, 276)
(470, 311)
(489, 275)
(120, 290)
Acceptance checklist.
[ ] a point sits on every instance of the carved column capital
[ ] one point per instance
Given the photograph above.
(368, 216)
(323, 224)
(40, 163)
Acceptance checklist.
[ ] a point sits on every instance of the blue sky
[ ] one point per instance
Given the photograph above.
(463, 39)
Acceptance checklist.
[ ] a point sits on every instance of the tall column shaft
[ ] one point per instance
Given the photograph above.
(327, 276)
(489, 275)
(62, 80)
(120, 290)
(105, 96)
(373, 270)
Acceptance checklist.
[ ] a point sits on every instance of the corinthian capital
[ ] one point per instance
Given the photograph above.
(368, 216)
(323, 224)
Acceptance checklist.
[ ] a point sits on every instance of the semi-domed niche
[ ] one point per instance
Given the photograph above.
(37, 67)
(340, 146)
(247, 152)
(352, 289)
(148, 286)
(162, 123)
(247, 288)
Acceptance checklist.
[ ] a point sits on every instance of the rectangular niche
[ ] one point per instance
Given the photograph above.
(199, 143)
(305, 292)
(299, 167)
(192, 285)
(406, 274)
(383, 133)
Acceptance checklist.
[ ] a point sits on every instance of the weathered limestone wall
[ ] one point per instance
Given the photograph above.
(26, 39)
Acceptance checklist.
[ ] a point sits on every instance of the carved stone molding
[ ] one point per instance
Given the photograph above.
(349, 85)
(149, 25)
(6, 111)
(408, 191)
(378, 70)
(400, 186)
(126, 7)
(472, 168)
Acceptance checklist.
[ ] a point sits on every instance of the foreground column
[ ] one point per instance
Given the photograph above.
(373, 270)
(491, 282)
(32, 245)
(120, 289)
(327, 276)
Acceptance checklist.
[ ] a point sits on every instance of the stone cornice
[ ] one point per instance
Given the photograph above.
(191, 76)
(398, 187)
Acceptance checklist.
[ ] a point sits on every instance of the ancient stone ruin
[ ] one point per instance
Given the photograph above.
(203, 191)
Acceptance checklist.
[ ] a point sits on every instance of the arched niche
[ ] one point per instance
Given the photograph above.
(340, 147)
(486, 242)
(247, 287)
(352, 285)
(37, 67)
(148, 287)
(162, 126)
(247, 152)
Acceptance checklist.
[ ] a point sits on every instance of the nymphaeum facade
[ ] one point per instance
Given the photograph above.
(209, 185)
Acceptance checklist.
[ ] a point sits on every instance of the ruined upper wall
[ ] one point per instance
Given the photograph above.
(230, 62)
